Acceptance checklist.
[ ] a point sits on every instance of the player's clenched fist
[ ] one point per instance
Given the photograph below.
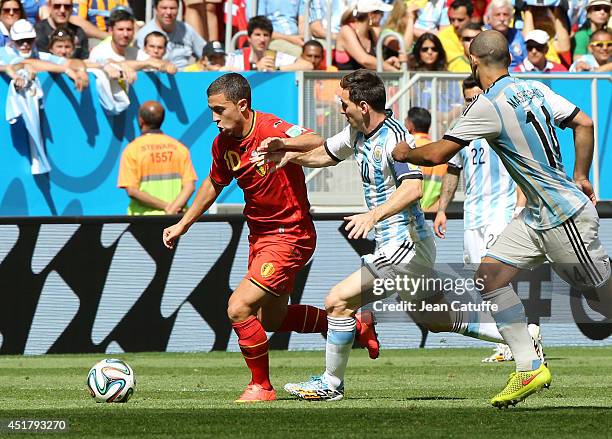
(172, 233)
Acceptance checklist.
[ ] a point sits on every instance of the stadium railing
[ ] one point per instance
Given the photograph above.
(338, 187)
(379, 47)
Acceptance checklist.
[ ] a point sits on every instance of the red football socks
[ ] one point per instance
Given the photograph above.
(254, 346)
(304, 318)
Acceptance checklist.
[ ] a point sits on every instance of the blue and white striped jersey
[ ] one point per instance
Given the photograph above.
(490, 192)
(516, 117)
(381, 175)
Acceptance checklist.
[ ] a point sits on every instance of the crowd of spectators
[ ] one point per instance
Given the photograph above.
(550, 36)
(111, 40)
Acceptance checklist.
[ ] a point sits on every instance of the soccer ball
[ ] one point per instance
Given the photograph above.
(111, 380)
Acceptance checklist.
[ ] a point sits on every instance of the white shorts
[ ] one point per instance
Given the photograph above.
(573, 248)
(476, 242)
(408, 258)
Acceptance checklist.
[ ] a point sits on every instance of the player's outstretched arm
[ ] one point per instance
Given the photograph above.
(317, 158)
(450, 181)
(206, 196)
(433, 154)
(583, 144)
(301, 143)
(409, 191)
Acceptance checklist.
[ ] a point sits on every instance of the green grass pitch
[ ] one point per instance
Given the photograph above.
(405, 393)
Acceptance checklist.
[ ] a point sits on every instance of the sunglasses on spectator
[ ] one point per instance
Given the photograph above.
(538, 47)
(25, 40)
(467, 39)
(11, 10)
(604, 44)
(427, 49)
(600, 8)
(59, 6)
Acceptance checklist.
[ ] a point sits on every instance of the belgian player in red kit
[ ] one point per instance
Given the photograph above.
(282, 235)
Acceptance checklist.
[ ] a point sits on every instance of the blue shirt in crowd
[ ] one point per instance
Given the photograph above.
(183, 42)
(284, 13)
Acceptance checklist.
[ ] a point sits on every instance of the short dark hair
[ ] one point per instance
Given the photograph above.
(313, 43)
(233, 86)
(152, 118)
(156, 34)
(420, 118)
(469, 83)
(472, 26)
(259, 22)
(61, 34)
(156, 2)
(120, 14)
(600, 31)
(467, 4)
(365, 85)
(22, 13)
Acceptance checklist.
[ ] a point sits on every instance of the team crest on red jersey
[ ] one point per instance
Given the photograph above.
(267, 270)
(262, 170)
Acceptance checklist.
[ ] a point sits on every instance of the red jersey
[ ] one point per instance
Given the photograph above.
(274, 202)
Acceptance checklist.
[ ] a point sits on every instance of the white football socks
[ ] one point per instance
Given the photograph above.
(512, 324)
(477, 324)
(340, 337)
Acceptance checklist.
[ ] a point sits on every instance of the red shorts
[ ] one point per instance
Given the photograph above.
(275, 260)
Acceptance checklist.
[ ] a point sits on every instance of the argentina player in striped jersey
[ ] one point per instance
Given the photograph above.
(559, 223)
(491, 201)
(404, 244)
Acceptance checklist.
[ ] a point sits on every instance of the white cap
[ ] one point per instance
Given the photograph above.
(364, 6)
(22, 30)
(592, 3)
(537, 35)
